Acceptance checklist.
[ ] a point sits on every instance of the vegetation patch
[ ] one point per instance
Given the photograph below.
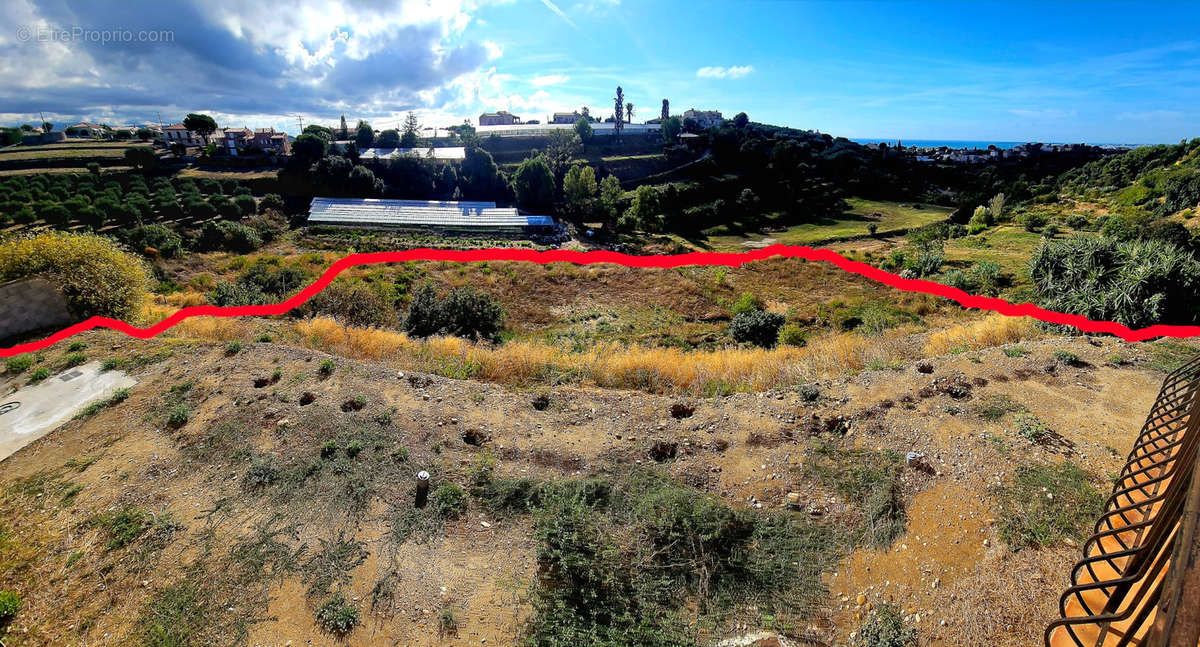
(1044, 504)
(868, 480)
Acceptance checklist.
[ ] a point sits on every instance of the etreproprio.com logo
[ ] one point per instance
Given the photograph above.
(77, 34)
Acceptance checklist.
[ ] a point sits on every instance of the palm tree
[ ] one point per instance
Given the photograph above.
(629, 113)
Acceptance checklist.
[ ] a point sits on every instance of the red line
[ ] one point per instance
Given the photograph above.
(586, 258)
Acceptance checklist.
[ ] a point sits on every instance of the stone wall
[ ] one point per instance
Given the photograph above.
(31, 304)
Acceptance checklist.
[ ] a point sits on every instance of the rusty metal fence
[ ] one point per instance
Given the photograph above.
(1130, 578)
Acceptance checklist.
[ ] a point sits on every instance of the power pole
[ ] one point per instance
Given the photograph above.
(43, 124)
(301, 120)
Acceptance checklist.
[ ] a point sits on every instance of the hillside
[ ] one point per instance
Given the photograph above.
(238, 490)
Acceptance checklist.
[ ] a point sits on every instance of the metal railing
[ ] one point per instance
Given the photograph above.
(1129, 569)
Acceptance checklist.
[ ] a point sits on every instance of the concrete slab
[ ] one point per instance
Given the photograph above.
(34, 411)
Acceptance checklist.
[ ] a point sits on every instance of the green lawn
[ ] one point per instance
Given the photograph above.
(890, 217)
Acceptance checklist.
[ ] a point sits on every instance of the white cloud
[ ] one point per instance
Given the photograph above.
(1151, 115)
(731, 72)
(494, 51)
(549, 79)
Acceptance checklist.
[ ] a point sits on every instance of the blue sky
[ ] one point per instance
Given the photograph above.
(1104, 73)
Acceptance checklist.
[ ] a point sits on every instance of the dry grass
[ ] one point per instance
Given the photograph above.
(993, 330)
(654, 369)
(206, 328)
(1008, 602)
(184, 299)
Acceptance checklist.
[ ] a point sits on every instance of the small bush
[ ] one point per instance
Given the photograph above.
(74, 359)
(40, 373)
(745, 303)
(756, 327)
(124, 525)
(868, 480)
(1044, 504)
(261, 473)
(327, 367)
(110, 364)
(793, 335)
(10, 604)
(1066, 358)
(449, 501)
(464, 312)
(329, 449)
(1032, 429)
(233, 347)
(178, 415)
(337, 616)
(76, 346)
(809, 392)
(1015, 351)
(885, 628)
(18, 364)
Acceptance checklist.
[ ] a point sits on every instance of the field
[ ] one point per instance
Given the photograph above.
(889, 217)
(66, 151)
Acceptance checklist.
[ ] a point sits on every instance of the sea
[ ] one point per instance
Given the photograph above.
(957, 143)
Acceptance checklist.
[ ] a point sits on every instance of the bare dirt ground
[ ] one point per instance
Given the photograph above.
(747, 449)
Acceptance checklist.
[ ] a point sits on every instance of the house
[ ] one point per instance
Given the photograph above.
(237, 138)
(272, 141)
(564, 118)
(178, 133)
(502, 118)
(706, 118)
(85, 129)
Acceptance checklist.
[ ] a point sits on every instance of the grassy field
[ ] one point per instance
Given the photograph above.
(75, 143)
(74, 169)
(889, 217)
(232, 174)
(64, 152)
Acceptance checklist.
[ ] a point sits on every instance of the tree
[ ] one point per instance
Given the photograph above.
(480, 176)
(364, 136)
(584, 129)
(145, 133)
(666, 110)
(141, 157)
(740, 120)
(271, 201)
(611, 196)
(412, 129)
(561, 147)
(645, 212)
(343, 131)
(178, 149)
(629, 113)
(200, 124)
(47, 126)
(308, 148)
(579, 188)
(388, 139)
(534, 184)
(618, 105)
(671, 127)
(320, 131)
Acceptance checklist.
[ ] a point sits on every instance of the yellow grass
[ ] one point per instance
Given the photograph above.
(993, 330)
(206, 328)
(654, 369)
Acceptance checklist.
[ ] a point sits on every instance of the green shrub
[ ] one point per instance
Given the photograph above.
(337, 615)
(124, 525)
(76, 346)
(464, 312)
(228, 236)
(884, 627)
(94, 275)
(756, 327)
(1032, 429)
(110, 364)
(178, 415)
(329, 449)
(176, 616)
(1066, 357)
(793, 335)
(327, 367)
(17, 364)
(1137, 283)
(354, 302)
(745, 303)
(448, 501)
(40, 373)
(10, 604)
(261, 473)
(868, 480)
(1044, 504)
(1015, 351)
(160, 238)
(233, 348)
(74, 359)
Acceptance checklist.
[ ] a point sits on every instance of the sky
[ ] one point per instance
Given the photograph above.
(1063, 72)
